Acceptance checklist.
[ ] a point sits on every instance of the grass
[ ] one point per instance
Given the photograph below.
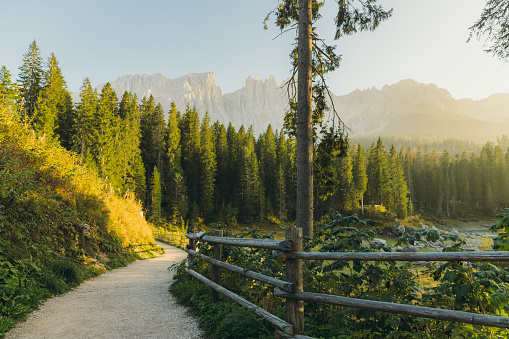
(59, 222)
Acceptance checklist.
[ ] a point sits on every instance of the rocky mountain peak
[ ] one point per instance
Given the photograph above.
(404, 108)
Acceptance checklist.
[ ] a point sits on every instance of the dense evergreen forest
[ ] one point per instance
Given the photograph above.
(185, 169)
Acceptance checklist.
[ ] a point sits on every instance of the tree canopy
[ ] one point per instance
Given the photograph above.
(493, 25)
(312, 58)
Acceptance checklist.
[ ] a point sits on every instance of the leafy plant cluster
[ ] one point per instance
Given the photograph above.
(24, 285)
(59, 223)
(501, 242)
(473, 287)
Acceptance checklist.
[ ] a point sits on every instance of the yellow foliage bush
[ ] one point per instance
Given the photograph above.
(64, 191)
(486, 243)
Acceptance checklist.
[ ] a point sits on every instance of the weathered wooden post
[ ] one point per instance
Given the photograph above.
(216, 271)
(192, 243)
(294, 275)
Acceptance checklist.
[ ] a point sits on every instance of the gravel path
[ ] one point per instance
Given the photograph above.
(129, 302)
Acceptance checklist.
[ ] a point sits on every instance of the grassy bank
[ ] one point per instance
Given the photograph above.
(59, 223)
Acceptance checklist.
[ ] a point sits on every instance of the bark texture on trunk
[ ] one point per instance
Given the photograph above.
(304, 123)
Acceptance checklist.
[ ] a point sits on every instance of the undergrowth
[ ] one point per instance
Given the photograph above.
(59, 223)
(476, 287)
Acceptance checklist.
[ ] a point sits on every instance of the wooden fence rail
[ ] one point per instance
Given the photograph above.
(283, 325)
(381, 306)
(285, 286)
(290, 249)
(282, 245)
(396, 256)
(171, 237)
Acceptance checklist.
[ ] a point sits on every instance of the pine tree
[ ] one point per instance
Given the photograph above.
(190, 150)
(407, 156)
(378, 187)
(175, 197)
(52, 101)
(431, 180)
(345, 192)
(234, 163)
(8, 91)
(44, 121)
(284, 176)
(65, 128)
(474, 177)
(493, 25)
(291, 178)
(107, 126)
(486, 164)
(462, 178)
(371, 174)
(311, 64)
(222, 180)
(280, 203)
(208, 168)
(326, 176)
(152, 146)
(503, 142)
(268, 167)
(446, 186)
(31, 81)
(398, 184)
(133, 171)
(500, 179)
(250, 191)
(360, 179)
(85, 122)
(155, 201)
(419, 180)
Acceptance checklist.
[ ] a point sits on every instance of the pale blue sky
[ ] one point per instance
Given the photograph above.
(102, 39)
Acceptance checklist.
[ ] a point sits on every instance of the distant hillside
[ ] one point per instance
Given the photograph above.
(407, 108)
(417, 110)
(494, 108)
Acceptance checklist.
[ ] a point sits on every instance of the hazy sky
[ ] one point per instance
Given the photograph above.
(103, 39)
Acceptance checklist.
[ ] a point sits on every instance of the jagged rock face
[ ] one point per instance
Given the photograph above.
(198, 90)
(258, 103)
(405, 108)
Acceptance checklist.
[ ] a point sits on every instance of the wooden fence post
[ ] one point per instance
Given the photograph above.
(216, 271)
(192, 244)
(294, 275)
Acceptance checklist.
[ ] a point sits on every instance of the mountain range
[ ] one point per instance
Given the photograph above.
(407, 108)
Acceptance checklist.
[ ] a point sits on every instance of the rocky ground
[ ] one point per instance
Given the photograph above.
(476, 235)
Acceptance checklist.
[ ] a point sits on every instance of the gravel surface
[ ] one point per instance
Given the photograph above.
(129, 302)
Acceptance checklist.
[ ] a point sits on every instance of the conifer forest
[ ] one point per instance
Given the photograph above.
(184, 168)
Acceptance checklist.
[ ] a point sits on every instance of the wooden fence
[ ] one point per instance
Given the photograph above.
(171, 237)
(290, 249)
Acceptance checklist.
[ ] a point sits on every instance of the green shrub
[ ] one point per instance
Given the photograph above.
(476, 287)
(223, 319)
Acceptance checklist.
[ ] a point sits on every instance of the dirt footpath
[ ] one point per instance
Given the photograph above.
(129, 302)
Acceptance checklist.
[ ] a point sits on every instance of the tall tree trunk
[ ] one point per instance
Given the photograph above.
(304, 123)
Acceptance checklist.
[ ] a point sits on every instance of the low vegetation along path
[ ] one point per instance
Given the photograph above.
(129, 302)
